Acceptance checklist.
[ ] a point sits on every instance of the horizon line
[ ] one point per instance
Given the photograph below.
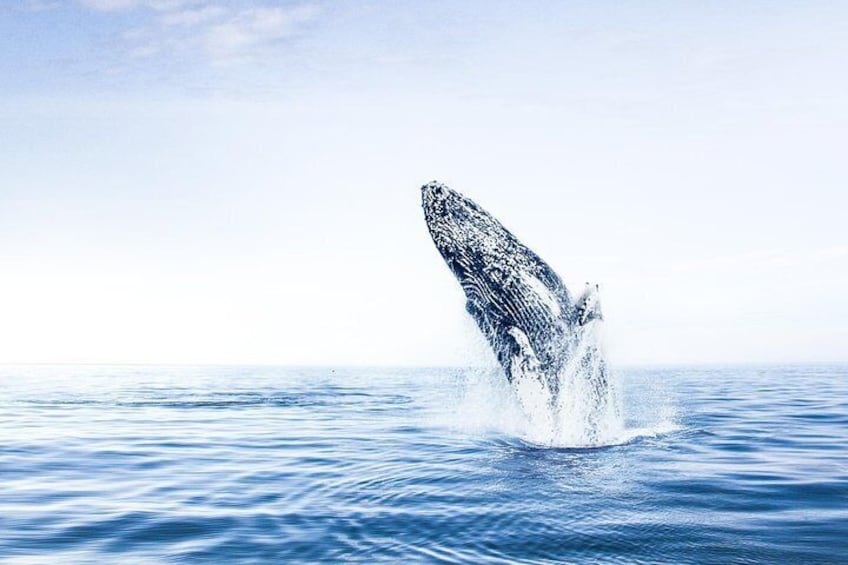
(694, 364)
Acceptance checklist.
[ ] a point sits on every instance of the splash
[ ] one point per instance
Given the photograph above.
(587, 409)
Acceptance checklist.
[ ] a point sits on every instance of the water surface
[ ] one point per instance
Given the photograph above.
(257, 464)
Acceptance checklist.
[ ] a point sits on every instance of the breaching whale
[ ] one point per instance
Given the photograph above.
(529, 318)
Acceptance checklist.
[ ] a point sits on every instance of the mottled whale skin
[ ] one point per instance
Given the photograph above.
(526, 313)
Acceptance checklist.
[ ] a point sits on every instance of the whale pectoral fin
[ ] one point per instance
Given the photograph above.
(524, 359)
(528, 380)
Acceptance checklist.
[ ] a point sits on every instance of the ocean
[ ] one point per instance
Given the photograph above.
(156, 464)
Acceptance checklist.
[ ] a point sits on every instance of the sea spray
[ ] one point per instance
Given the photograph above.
(587, 410)
(581, 406)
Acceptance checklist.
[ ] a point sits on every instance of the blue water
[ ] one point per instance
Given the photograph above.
(206, 464)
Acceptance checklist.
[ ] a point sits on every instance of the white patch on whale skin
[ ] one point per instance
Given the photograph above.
(530, 386)
(543, 292)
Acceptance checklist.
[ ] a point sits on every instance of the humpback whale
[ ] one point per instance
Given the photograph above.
(529, 318)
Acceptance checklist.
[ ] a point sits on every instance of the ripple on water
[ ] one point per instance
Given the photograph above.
(244, 464)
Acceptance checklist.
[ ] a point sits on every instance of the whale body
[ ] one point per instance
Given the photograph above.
(529, 318)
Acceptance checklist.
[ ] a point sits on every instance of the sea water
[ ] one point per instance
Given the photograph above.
(149, 464)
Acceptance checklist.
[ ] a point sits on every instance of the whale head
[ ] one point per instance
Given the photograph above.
(510, 290)
(460, 229)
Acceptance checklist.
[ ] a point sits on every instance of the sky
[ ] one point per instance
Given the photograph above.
(199, 181)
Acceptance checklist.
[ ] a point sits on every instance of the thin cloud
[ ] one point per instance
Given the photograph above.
(192, 17)
(41, 5)
(120, 5)
(218, 33)
(248, 31)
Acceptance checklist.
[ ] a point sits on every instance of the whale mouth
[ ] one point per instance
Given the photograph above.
(443, 203)
(434, 189)
(458, 227)
(440, 205)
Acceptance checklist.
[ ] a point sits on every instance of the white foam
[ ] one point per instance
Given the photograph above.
(586, 415)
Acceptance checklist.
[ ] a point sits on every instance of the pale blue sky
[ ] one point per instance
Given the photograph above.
(237, 182)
